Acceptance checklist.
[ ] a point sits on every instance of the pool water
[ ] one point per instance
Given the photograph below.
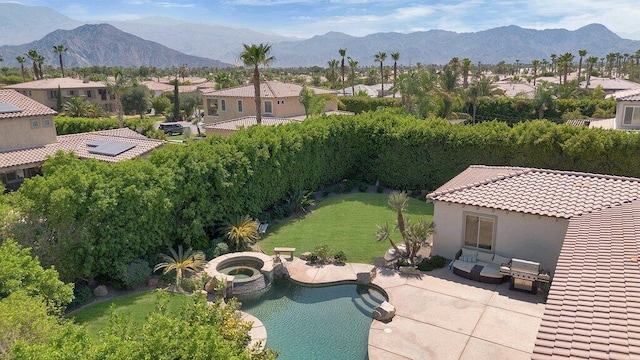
(316, 322)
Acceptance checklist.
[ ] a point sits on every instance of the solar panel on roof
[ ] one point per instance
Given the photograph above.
(111, 148)
(96, 143)
(6, 108)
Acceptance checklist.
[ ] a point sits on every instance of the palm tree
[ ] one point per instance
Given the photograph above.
(256, 55)
(395, 56)
(381, 57)
(342, 52)
(610, 58)
(241, 231)
(479, 89)
(76, 107)
(553, 62)
(582, 54)
(40, 62)
(535, 64)
(181, 261)
(1, 59)
(33, 56)
(591, 62)
(466, 68)
(332, 74)
(59, 49)
(416, 235)
(448, 85)
(21, 60)
(353, 65)
(116, 88)
(543, 98)
(565, 60)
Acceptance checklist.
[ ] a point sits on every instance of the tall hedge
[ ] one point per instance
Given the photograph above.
(72, 125)
(360, 104)
(100, 216)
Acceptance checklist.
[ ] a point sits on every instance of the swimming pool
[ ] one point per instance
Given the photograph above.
(304, 322)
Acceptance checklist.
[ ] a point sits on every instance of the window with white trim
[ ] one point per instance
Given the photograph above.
(631, 116)
(479, 231)
(240, 107)
(268, 107)
(223, 105)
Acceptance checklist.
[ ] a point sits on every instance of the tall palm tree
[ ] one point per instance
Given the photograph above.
(591, 62)
(21, 60)
(543, 98)
(332, 74)
(241, 231)
(553, 62)
(40, 62)
(33, 56)
(116, 88)
(535, 64)
(60, 49)
(610, 58)
(343, 53)
(256, 55)
(466, 69)
(566, 59)
(448, 86)
(181, 261)
(381, 57)
(582, 54)
(395, 56)
(353, 65)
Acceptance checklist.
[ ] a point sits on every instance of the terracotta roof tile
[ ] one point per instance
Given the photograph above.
(552, 193)
(77, 143)
(53, 83)
(595, 267)
(29, 106)
(247, 121)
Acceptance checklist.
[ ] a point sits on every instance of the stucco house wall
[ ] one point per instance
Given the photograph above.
(517, 235)
(621, 106)
(26, 132)
(281, 107)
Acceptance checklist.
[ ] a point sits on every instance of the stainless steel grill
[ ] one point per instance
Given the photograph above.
(525, 275)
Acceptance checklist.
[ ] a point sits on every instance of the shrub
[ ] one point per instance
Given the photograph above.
(312, 258)
(81, 294)
(363, 187)
(435, 262)
(192, 284)
(340, 256)
(438, 261)
(322, 251)
(379, 189)
(425, 265)
(402, 262)
(133, 275)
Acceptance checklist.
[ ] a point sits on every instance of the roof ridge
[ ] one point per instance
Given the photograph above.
(586, 174)
(519, 171)
(268, 85)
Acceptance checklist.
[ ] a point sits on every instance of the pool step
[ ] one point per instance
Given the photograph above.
(368, 301)
(362, 306)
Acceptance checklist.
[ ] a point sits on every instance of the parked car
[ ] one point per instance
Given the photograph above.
(172, 128)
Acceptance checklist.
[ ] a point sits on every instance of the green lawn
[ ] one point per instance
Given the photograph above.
(136, 306)
(345, 222)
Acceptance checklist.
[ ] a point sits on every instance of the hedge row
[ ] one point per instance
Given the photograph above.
(104, 216)
(360, 104)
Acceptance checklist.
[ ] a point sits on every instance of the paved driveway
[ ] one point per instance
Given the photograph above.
(440, 315)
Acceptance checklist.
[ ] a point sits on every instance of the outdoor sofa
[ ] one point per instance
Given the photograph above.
(479, 266)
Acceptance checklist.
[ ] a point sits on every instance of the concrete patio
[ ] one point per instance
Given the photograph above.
(440, 315)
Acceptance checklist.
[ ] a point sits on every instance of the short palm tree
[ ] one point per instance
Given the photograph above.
(353, 65)
(21, 60)
(256, 55)
(181, 261)
(241, 231)
(343, 53)
(76, 107)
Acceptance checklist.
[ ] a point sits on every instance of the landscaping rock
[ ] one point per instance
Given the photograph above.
(305, 255)
(384, 312)
(366, 277)
(211, 285)
(100, 291)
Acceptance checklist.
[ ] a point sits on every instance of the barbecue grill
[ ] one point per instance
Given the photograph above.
(525, 275)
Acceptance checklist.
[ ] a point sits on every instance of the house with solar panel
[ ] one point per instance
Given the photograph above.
(28, 136)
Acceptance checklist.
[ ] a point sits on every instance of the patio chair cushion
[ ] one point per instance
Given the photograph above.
(485, 257)
(499, 260)
(468, 252)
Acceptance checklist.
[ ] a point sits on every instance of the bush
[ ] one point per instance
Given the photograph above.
(133, 275)
(340, 256)
(425, 265)
(81, 294)
(322, 251)
(312, 258)
(435, 262)
(192, 284)
(363, 187)
(379, 189)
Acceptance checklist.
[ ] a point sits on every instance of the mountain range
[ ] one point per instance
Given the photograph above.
(103, 45)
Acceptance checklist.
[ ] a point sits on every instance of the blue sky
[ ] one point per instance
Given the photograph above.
(305, 18)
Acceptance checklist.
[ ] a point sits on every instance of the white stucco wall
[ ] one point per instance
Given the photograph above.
(523, 236)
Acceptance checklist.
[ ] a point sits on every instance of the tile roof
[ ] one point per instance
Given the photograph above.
(268, 89)
(611, 84)
(29, 106)
(244, 122)
(157, 86)
(562, 194)
(626, 95)
(53, 83)
(593, 308)
(78, 144)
